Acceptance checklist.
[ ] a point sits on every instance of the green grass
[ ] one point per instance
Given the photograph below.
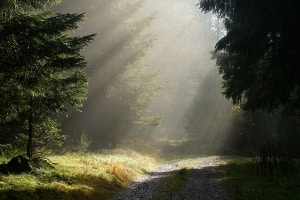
(245, 182)
(77, 176)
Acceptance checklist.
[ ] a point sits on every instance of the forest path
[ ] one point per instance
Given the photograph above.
(190, 179)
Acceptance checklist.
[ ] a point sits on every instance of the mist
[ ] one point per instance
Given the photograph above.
(150, 74)
(149, 99)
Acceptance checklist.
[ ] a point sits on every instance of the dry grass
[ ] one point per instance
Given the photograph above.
(78, 176)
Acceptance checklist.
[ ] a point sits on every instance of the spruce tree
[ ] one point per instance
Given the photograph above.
(258, 56)
(41, 69)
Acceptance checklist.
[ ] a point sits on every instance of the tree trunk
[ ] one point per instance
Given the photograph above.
(30, 133)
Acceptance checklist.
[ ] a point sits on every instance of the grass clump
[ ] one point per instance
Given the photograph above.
(246, 182)
(77, 176)
(172, 184)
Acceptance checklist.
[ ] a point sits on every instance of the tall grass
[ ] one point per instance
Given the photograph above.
(246, 182)
(77, 176)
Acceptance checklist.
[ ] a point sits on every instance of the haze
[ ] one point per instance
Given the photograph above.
(150, 74)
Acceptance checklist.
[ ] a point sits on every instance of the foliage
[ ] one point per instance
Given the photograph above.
(258, 56)
(83, 143)
(7, 150)
(9, 8)
(47, 140)
(42, 71)
(48, 72)
(138, 83)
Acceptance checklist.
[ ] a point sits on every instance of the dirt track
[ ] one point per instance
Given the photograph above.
(202, 182)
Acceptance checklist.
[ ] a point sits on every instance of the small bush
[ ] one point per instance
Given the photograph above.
(83, 143)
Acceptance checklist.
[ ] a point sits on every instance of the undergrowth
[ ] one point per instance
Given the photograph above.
(245, 181)
(77, 176)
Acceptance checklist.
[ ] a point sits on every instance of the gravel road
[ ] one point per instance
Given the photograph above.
(202, 182)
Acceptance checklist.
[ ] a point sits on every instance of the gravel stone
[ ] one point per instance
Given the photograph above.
(202, 184)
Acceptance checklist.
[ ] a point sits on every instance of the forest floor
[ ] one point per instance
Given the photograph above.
(89, 176)
(124, 174)
(245, 179)
(192, 179)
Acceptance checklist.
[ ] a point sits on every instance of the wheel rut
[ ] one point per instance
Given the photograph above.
(200, 181)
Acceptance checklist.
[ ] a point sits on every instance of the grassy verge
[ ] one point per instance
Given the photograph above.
(245, 182)
(77, 176)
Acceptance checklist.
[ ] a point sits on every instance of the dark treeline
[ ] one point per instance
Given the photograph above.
(257, 59)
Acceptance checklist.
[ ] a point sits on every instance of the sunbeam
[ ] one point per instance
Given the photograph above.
(171, 39)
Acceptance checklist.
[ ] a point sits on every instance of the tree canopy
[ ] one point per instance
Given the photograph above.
(258, 56)
(9, 8)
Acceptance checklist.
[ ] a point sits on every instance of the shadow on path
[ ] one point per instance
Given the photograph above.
(190, 184)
